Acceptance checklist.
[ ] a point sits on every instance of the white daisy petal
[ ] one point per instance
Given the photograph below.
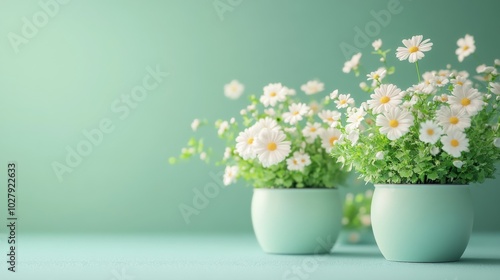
(413, 49)
(455, 142)
(394, 122)
(271, 147)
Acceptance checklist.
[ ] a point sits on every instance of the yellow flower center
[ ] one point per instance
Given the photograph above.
(250, 141)
(460, 83)
(453, 120)
(295, 113)
(393, 123)
(272, 146)
(438, 82)
(295, 162)
(332, 140)
(413, 49)
(313, 129)
(384, 99)
(234, 88)
(272, 94)
(465, 101)
(342, 102)
(303, 160)
(465, 48)
(330, 119)
(430, 131)
(454, 142)
(376, 77)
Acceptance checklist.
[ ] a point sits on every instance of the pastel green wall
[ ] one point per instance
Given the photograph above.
(66, 78)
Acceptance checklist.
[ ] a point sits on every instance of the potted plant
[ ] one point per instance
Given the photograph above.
(422, 147)
(281, 147)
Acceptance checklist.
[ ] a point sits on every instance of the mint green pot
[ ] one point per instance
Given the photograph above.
(422, 223)
(296, 221)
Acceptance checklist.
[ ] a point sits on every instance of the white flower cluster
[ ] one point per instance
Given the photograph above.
(284, 123)
(396, 111)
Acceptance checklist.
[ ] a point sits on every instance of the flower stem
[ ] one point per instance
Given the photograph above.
(418, 71)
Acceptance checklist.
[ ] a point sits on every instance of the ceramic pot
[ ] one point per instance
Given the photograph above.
(422, 223)
(296, 221)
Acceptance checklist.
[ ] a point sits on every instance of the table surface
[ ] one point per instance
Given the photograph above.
(238, 256)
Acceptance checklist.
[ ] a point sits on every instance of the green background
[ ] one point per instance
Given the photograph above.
(66, 77)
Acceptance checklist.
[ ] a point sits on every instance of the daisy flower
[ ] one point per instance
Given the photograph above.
(460, 81)
(428, 77)
(330, 137)
(233, 90)
(352, 64)
(312, 87)
(298, 161)
(334, 94)
(273, 93)
(394, 123)
(455, 142)
(296, 112)
(413, 49)
(355, 117)
(385, 97)
(267, 122)
(443, 98)
(304, 158)
(418, 88)
(195, 124)
(452, 118)
(377, 44)
(379, 155)
(464, 74)
(293, 164)
(330, 117)
(430, 132)
(466, 46)
(467, 98)
(245, 142)
(439, 81)
(230, 174)
(444, 72)
(271, 147)
(495, 88)
(312, 130)
(485, 69)
(344, 100)
(376, 76)
(270, 112)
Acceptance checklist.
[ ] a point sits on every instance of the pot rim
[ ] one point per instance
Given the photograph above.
(411, 186)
